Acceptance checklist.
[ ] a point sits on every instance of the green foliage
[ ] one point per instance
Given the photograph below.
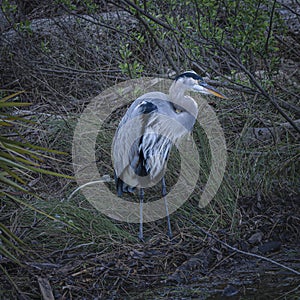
(24, 26)
(45, 46)
(245, 27)
(89, 5)
(128, 65)
(70, 4)
(19, 161)
(8, 7)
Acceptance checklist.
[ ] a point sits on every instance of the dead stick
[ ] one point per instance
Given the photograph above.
(243, 252)
(263, 92)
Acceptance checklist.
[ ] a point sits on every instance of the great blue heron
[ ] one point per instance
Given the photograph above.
(145, 155)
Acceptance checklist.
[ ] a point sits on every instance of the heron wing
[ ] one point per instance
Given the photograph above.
(144, 138)
(128, 159)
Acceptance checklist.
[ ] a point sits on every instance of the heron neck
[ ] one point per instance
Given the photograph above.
(176, 94)
(180, 101)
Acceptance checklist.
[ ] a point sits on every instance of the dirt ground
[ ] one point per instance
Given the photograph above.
(261, 263)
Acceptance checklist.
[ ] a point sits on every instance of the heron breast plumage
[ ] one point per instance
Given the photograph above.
(155, 131)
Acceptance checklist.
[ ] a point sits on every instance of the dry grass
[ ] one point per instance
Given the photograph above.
(81, 252)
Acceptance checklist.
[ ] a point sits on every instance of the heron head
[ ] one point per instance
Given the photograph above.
(190, 80)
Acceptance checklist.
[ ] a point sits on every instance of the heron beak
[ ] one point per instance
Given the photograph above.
(205, 88)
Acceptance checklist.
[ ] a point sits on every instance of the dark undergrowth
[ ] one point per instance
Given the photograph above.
(242, 244)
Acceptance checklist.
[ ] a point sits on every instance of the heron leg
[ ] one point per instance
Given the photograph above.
(164, 193)
(119, 190)
(119, 185)
(141, 236)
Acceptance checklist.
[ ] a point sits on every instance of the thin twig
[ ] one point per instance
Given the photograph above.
(151, 17)
(158, 43)
(262, 91)
(270, 27)
(288, 7)
(241, 251)
(84, 185)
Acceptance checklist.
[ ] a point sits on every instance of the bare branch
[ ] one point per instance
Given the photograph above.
(151, 17)
(262, 90)
(241, 251)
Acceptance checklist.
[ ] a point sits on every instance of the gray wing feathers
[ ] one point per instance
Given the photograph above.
(144, 138)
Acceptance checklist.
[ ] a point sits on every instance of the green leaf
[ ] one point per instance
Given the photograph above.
(12, 104)
(10, 97)
(11, 183)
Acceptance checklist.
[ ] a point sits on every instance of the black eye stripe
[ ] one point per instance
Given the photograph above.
(189, 74)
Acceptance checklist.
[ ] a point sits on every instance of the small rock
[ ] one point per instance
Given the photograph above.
(271, 246)
(230, 291)
(256, 238)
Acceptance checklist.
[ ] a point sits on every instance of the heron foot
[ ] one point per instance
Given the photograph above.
(141, 237)
(170, 234)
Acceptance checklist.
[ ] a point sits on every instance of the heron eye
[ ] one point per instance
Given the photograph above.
(178, 111)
